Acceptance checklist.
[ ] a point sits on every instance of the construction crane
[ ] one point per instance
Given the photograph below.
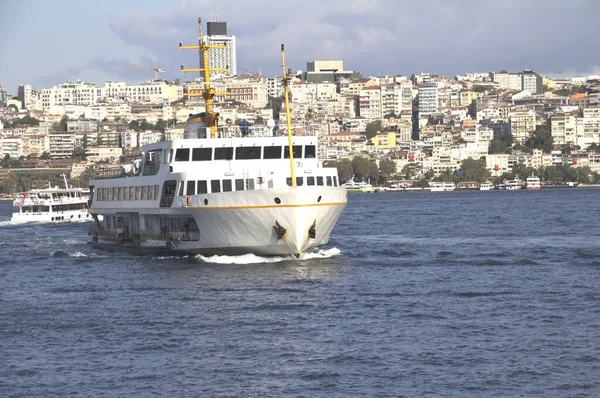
(156, 69)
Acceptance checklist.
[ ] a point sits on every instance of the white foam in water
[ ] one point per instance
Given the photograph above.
(77, 254)
(254, 259)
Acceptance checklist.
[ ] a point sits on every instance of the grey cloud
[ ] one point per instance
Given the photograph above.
(384, 36)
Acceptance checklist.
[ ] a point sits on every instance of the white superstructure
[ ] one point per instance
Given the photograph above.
(533, 183)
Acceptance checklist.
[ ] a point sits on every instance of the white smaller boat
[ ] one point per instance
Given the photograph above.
(361, 186)
(512, 185)
(437, 186)
(52, 205)
(486, 186)
(533, 183)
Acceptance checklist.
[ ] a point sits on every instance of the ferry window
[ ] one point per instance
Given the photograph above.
(310, 180)
(114, 193)
(138, 193)
(144, 192)
(329, 182)
(201, 154)
(270, 183)
(126, 193)
(288, 181)
(120, 193)
(191, 188)
(248, 152)
(272, 152)
(131, 193)
(150, 192)
(202, 186)
(224, 153)
(182, 155)
(215, 186)
(181, 185)
(239, 184)
(299, 181)
(310, 152)
(297, 151)
(227, 186)
(335, 183)
(249, 184)
(319, 180)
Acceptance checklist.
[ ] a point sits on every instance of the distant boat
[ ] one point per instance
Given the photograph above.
(437, 186)
(352, 186)
(486, 186)
(533, 183)
(52, 205)
(512, 185)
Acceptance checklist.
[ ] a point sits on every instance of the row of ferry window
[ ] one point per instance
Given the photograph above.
(240, 184)
(245, 153)
(145, 192)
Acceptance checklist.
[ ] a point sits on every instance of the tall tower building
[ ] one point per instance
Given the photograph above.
(221, 57)
(24, 94)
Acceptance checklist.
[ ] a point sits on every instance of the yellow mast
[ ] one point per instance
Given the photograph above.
(286, 82)
(210, 119)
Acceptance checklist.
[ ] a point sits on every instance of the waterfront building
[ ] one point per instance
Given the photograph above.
(522, 124)
(563, 126)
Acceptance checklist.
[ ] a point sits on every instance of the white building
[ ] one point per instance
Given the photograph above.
(522, 124)
(428, 98)
(564, 128)
(79, 93)
(225, 58)
(274, 86)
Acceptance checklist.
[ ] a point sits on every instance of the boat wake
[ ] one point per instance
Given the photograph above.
(254, 259)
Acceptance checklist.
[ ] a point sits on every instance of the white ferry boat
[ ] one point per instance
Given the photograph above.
(512, 185)
(486, 186)
(220, 190)
(53, 205)
(533, 183)
(437, 186)
(361, 186)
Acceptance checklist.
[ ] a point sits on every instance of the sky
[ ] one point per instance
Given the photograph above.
(44, 43)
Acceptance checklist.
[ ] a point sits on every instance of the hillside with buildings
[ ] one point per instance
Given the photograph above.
(426, 123)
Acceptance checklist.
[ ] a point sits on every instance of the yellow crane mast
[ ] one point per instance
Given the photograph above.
(210, 119)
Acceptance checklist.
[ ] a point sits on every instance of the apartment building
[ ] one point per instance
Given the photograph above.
(522, 124)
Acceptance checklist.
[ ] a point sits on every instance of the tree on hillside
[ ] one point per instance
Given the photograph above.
(373, 128)
(387, 167)
(410, 170)
(541, 139)
(475, 170)
(361, 168)
(62, 125)
(344, 169)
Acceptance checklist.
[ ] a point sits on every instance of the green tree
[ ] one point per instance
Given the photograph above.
(345, 170)
(44, 156)
(259, 120)
(475, 170)
(62, 125)
(373, 128)
(482, 89)
(160, 125)
(387, 167)
(541, 139)
(361, 168)
(410, 170)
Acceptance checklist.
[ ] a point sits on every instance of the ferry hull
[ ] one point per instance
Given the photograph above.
(278, 221)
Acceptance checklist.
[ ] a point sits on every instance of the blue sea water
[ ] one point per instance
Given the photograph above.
(450, 294)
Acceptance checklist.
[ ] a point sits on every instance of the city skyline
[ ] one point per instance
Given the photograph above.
(44, 45)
